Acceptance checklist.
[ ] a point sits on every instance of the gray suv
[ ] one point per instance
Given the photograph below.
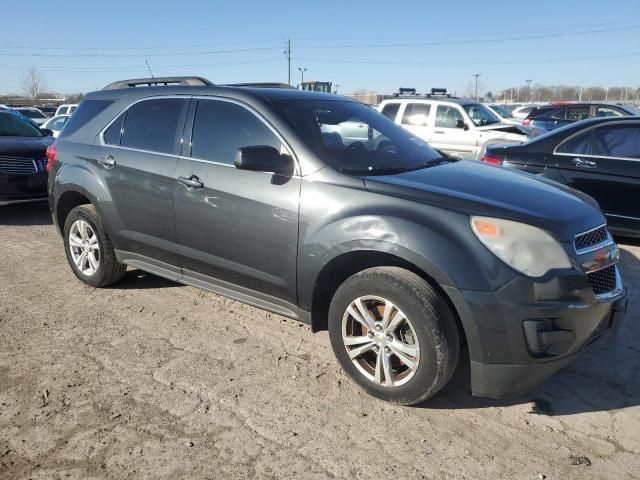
(273, 197)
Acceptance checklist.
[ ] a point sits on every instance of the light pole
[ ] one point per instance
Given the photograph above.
(336, 90)
(529, 89)
(302, 70)
(476, 89)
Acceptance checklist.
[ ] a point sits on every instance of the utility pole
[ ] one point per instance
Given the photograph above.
(476, 75)
(529, 89)
(606, 94)
(302, 70)
(580, 95)
(287, 53)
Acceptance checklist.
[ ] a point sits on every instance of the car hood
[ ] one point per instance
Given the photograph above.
(474, 188)
(32, 147)
(506, 128)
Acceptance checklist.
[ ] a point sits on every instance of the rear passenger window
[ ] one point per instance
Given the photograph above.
(153, 124)
(416, 114)
(86, 111)
(221, 128)
(390, 110)
(112, 134)
(618, 141)
(578, 145)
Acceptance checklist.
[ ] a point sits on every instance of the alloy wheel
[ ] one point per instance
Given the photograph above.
(84, 247)
(380, 341)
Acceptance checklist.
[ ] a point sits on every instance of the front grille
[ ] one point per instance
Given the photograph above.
(603, 281)
(18, 166)
(593, 237)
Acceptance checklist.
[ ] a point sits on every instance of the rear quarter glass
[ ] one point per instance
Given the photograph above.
(85, 112)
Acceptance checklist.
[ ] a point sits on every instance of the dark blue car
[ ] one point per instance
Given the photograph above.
(22, 160)
(550, 117)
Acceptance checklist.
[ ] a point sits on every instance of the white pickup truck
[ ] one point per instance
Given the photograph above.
(458, 127)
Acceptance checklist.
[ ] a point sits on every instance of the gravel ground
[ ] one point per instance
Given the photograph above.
(151, 379)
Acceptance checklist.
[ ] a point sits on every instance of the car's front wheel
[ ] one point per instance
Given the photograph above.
(88, 248)
(394, 334)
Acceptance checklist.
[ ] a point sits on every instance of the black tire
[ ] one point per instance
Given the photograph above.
(109, 270)
(430, 316)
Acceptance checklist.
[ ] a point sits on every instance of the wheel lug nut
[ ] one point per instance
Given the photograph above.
(376, 349)
(387, 350)
(378, 327)
(390, 338)
(370, 334)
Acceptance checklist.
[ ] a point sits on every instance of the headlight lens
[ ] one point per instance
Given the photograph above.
(527, 249)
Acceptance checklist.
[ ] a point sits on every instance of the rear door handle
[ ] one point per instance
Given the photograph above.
(107, 161)
(439, 131)
(578, 162)
(191, 182)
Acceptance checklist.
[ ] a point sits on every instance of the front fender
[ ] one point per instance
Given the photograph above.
(444, 249)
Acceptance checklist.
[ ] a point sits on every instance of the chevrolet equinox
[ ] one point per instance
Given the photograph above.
(319, 208)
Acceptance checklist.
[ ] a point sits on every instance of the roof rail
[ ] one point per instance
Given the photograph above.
(411, 92)
(406, 91)
(159, 81)
(261, 85)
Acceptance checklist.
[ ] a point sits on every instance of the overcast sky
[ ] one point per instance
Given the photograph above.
(374, 45)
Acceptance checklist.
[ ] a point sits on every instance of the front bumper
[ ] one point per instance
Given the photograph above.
(22, 188)
(507, 356)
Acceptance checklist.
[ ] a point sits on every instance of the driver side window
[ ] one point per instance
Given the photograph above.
(447, 116)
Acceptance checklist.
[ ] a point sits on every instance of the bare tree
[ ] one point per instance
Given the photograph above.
(74, 97)
(32, 83)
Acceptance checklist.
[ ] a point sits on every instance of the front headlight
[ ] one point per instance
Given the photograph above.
(527, 249)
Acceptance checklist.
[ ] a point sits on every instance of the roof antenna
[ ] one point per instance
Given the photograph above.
(147, 62)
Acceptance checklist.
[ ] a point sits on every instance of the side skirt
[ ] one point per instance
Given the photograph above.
(220, 287)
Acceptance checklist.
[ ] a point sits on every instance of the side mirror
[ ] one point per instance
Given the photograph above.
(461, 124)
(263, 158)
(47, 132)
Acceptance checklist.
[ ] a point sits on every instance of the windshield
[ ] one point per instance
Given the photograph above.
(500, 111)
(31, 113)
(12, 126)
(354, 138)
(480, 115)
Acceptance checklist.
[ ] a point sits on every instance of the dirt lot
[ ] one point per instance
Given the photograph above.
(150, 379)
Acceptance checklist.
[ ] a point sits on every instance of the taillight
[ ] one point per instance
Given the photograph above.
(51, 156)
(526, 122)
(492, 161)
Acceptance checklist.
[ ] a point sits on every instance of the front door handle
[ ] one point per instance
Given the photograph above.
(191, 182)
(107, 161)
(579, 162)
(439, 131)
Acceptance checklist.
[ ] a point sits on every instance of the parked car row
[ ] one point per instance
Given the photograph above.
(369, 224)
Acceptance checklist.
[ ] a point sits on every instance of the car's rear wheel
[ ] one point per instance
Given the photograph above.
(89, 249)
(394, 334)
